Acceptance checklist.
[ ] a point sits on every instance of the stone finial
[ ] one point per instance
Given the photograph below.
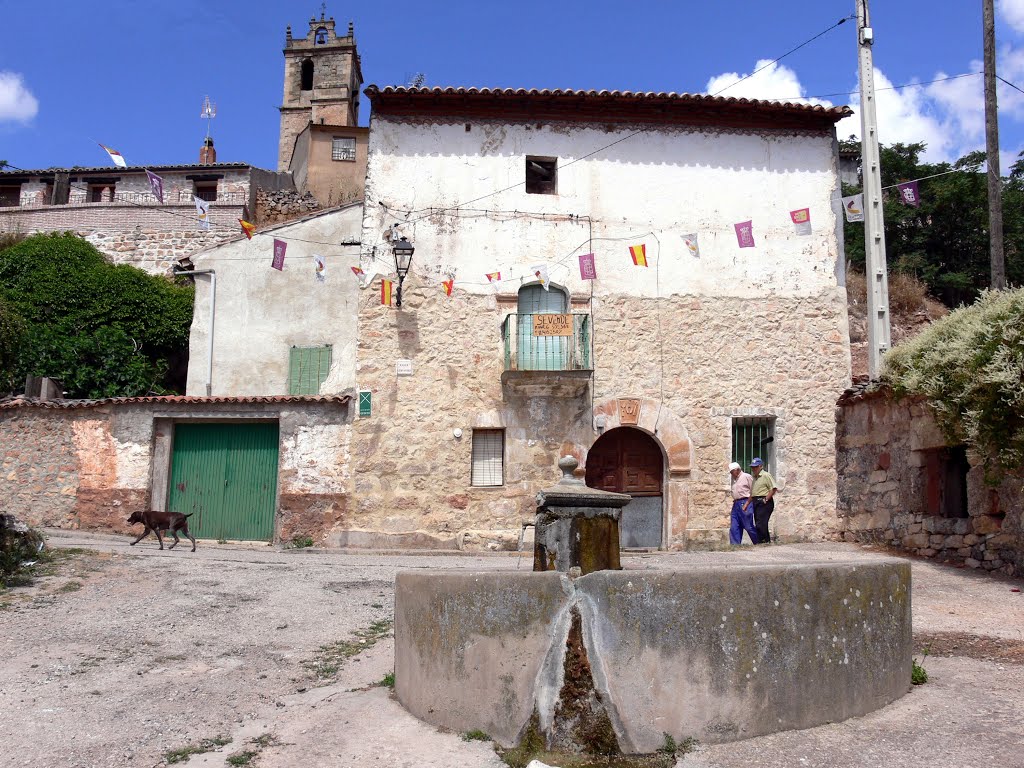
(288, 33)
(568, 466)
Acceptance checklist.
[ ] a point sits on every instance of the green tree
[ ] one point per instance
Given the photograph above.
(944, 241)
(103, 330)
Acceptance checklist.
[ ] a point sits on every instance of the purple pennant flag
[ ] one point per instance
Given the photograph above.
(588, 270)
(157, 184)
(908, 193)
(745, 233)
(280, 246)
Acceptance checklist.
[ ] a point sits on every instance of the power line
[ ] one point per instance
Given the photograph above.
(1009, 83)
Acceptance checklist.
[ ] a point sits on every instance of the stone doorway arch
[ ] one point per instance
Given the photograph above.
(628, 460)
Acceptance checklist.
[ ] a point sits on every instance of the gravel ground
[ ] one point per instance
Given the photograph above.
(129, 655)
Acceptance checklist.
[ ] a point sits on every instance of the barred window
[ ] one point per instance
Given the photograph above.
(752, 437)
(343, 148)
(307, 369)
(488, 457)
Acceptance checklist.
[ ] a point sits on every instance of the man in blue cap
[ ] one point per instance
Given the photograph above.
(762, 492)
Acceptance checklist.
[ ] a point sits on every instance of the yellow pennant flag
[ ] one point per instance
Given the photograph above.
(448, 285)
(247, 228)
(639, 254)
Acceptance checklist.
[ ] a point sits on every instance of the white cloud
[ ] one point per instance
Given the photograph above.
(1013, 12)
(16, 101)
(775, 81)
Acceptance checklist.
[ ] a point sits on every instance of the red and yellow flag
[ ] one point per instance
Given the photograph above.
(493, 277)
(385, 293)
(447, 285)
(357, 271)
(247, 228)
(639, 254)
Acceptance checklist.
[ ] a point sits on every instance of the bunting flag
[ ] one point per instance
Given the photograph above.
(745, 233)
(203, 212)
(801, 220)
(588, 269)
(320, 266)
(385, 292)
(690, 241)
(540, 271)
(247, 228)
(639, 254)
(156, 184)
(854, 207)
(908, 193)
(357, 271)
(448, 285)
(280, 246)
(115, 156)
(494, 277)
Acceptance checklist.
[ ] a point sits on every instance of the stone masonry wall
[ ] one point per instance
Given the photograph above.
(887, 493)
(283, 204)
(412, 474)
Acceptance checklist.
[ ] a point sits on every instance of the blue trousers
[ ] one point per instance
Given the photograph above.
(742, 521)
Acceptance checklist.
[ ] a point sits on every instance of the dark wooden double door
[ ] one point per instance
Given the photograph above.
(627, 460)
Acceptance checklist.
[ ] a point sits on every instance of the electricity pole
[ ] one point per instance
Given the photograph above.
(995, 188)
(879, 339)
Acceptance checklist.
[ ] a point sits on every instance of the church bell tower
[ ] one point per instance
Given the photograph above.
(322, 80)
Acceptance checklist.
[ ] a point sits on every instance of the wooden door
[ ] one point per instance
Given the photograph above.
(627, 460)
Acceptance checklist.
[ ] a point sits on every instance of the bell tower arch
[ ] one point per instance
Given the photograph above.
(322, 80)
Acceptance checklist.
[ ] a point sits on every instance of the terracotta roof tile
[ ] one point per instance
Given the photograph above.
(31, 402)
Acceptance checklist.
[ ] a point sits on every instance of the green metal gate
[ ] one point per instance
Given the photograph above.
(226, 476)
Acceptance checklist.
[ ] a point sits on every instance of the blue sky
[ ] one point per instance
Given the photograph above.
(133, 74)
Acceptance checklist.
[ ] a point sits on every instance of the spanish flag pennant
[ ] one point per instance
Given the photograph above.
(494, 277)
(639, 254)
(357, 271)
(385, 293)
(447, 285)
(247, 228)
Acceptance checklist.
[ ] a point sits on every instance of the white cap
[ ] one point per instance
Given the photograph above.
(733, 466)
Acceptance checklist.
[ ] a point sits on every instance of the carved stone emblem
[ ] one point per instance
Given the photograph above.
(629, 411)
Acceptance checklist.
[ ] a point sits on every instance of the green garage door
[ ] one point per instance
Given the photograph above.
(226, 476)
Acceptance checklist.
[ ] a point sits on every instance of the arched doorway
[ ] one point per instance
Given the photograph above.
(628, 460)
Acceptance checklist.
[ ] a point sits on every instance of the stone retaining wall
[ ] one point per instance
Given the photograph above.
(891, 458)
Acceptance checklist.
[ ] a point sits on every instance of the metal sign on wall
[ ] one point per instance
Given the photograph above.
(403, 367)
(552, 325)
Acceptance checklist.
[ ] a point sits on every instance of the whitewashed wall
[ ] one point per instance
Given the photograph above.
(262, 312)
(650, 188)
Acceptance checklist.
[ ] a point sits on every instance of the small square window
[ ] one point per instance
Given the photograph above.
(946, 481)
(488, 457)
(101, 193)
(307, 369)
(754, 437)
(542, 175)
(10, 195)
(206, 190)
(343, 148)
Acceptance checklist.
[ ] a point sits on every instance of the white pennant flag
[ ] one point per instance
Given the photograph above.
(854, 207)
(540, 271)
(320, 266)
(692, 246)
(203, 212)
(115, 156)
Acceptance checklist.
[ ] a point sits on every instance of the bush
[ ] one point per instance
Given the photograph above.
(969, 366)
(18, 545)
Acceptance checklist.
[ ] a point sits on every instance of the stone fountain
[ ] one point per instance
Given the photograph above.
(593, 658)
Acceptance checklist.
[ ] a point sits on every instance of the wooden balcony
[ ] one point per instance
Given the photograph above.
(547, 355)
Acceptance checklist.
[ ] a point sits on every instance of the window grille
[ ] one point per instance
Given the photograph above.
(307, 369)
(754, 437)
(343, 148)
(207, 191)
(488, 457)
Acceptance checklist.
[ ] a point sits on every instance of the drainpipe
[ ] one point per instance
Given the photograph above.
(213, 315)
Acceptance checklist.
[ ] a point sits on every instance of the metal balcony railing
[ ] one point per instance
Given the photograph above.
(531, 343)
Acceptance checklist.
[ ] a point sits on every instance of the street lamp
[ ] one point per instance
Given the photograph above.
(403, 260)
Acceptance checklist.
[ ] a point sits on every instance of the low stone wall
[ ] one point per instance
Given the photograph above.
(714, 653)
(893, 482)
(282, 205)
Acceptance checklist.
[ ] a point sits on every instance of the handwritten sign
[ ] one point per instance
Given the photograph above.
(552, 325)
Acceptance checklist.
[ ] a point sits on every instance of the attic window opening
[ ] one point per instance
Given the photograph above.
(343, 148)
(307, 75)
(206, 190)
(541, 175)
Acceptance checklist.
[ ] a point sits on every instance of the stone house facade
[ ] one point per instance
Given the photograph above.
(115, 209)
(902, 484)
(660, 375)
(89, 463)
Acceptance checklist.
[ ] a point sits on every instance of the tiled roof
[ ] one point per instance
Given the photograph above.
(130, 169)
(32, 402)
(624, 99)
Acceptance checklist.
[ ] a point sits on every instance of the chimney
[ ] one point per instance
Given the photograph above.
(207, 154)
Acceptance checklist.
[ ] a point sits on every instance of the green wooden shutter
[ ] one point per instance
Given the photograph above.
(307, 369)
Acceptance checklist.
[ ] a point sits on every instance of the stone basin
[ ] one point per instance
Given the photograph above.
(709, 651)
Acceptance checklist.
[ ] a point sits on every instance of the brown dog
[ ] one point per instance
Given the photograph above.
(162, 521)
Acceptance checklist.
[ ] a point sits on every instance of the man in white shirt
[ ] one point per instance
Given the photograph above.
(742, 517)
